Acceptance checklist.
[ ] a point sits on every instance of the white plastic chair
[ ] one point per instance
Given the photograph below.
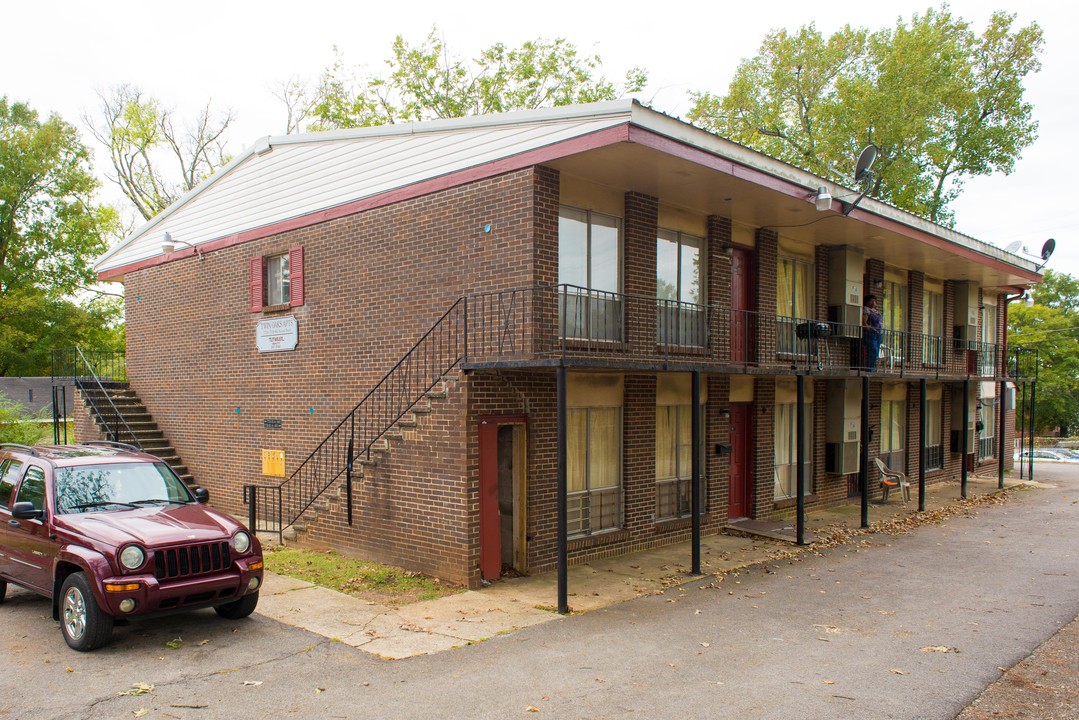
(890, 478)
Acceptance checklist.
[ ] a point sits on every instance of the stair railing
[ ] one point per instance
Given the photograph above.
(87, 380)
(271, 508)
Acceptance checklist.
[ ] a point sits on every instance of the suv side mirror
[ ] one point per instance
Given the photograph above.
(202, 495)
(26, 511)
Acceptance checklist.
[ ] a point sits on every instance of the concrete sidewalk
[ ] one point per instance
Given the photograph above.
(511, 604)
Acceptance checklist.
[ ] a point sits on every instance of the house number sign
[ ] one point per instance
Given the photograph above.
(276, 334)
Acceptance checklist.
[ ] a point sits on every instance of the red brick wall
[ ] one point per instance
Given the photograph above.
(374, 283)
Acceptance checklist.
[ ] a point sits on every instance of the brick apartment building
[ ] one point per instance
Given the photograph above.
(368, 333)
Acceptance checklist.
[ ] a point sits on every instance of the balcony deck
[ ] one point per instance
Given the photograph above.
(575, 327)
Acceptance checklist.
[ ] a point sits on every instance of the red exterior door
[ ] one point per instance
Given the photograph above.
(502, 490)
(740, 496)
(741, 305)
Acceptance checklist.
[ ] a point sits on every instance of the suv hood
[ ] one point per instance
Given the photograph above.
(153, 526)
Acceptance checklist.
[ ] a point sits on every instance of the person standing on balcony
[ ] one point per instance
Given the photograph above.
(872, 331)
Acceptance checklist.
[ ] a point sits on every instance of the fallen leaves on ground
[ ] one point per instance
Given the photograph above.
(174, 644)
(138, 689)
(939, 648)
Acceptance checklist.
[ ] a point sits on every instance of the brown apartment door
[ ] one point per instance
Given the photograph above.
(740, 497)
(502, 495)
(741, 305)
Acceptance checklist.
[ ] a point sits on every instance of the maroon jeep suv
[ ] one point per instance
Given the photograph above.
(108, 532)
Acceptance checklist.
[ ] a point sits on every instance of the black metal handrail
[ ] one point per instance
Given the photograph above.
(89, 382)
(274, 507)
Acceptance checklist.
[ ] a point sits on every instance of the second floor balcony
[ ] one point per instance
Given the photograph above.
(565, 324)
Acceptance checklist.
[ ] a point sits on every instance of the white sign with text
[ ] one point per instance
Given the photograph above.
(277, 334)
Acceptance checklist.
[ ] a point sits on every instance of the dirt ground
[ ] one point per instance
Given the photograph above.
(1044, 686)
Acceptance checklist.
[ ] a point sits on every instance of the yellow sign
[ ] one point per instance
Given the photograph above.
(273, 463)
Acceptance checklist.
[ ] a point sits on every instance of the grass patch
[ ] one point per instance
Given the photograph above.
(382, 584)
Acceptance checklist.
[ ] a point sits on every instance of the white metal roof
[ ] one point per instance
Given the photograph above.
(291, 176)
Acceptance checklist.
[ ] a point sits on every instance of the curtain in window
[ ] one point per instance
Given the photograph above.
(895, 306)
(603, 471)
(685, 441)
(576, 449)
(785, 288)
(666, 460)
(786, 450)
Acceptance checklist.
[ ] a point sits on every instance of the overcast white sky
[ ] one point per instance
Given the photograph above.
(56, 54)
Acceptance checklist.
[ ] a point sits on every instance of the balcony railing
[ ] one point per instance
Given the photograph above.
(566, 323)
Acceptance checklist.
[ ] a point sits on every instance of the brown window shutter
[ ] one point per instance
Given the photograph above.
(295, 276)
(256, 284)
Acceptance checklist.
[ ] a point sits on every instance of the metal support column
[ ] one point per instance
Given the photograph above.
(964, 437)
(1033, 407)
(695, 482)
(800, 455)
(863, 463)
(921, 444)
(1000, 435)
(563, 525)
(1023, 424)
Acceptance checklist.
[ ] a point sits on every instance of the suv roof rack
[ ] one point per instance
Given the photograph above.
(113, 443)
(19, 446)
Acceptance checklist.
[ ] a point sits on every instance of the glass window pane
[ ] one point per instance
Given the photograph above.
(685, 441)
(604, 256)
(666, 466)
(576, 449)
(573, 247)
(32, 489)
(690, 286)
(785, 288)
(667, 265)
(604, 448)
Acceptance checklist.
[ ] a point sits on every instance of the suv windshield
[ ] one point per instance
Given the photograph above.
(117, 486)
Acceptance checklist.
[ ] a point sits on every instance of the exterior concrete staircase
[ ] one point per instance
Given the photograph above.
(366, 467)
(144, 431)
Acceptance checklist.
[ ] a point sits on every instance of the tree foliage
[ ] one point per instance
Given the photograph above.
(155, 160)
(941, 102)
(427, 81)
(50, 231)
(1051, 327)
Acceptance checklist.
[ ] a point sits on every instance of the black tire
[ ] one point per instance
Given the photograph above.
(3, 590)
(239, 609)
(83, 624)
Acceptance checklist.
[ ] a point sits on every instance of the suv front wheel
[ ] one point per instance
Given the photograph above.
(240, 608)
(84, 625)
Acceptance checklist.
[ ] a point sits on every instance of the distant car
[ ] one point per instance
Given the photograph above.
(1046, 454)
(108, 532)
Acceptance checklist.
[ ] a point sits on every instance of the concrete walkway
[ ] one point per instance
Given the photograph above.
(511, 604)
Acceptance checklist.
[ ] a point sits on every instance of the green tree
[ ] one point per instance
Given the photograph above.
(941, 102)
(154, 160)
(427, 82)
(50, 232)
(1051, 327)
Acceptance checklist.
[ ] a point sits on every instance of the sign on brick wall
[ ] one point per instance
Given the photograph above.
(276, 334)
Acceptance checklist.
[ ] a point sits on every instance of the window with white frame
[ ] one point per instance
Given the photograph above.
(988, 352)
(674, 460)
(893, 432)
(786, 450)
(987, 414)
(795, 298)
(276, 282)
(680, 319)
(934, 446)
(894, 312)
(932, 327)
(594, 469)
(590, 271)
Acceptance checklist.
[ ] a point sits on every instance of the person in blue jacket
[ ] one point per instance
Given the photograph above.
(872, 331)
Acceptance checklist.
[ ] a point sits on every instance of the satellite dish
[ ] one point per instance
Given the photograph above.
(865, 162)
(1013, 247)
(1048, 248)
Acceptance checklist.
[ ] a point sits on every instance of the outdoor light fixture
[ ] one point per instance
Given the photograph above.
(168, 245)
(823, 199)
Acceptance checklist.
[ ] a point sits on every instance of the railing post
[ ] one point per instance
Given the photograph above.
(464, 324)
(348, 483)
(252, 514)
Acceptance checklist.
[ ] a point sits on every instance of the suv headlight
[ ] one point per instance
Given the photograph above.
(132, 557)
(241, 542)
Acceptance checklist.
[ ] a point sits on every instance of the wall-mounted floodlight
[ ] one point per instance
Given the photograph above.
(168, 245)
(823, 199)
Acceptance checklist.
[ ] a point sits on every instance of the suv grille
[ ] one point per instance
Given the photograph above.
(191, 560)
